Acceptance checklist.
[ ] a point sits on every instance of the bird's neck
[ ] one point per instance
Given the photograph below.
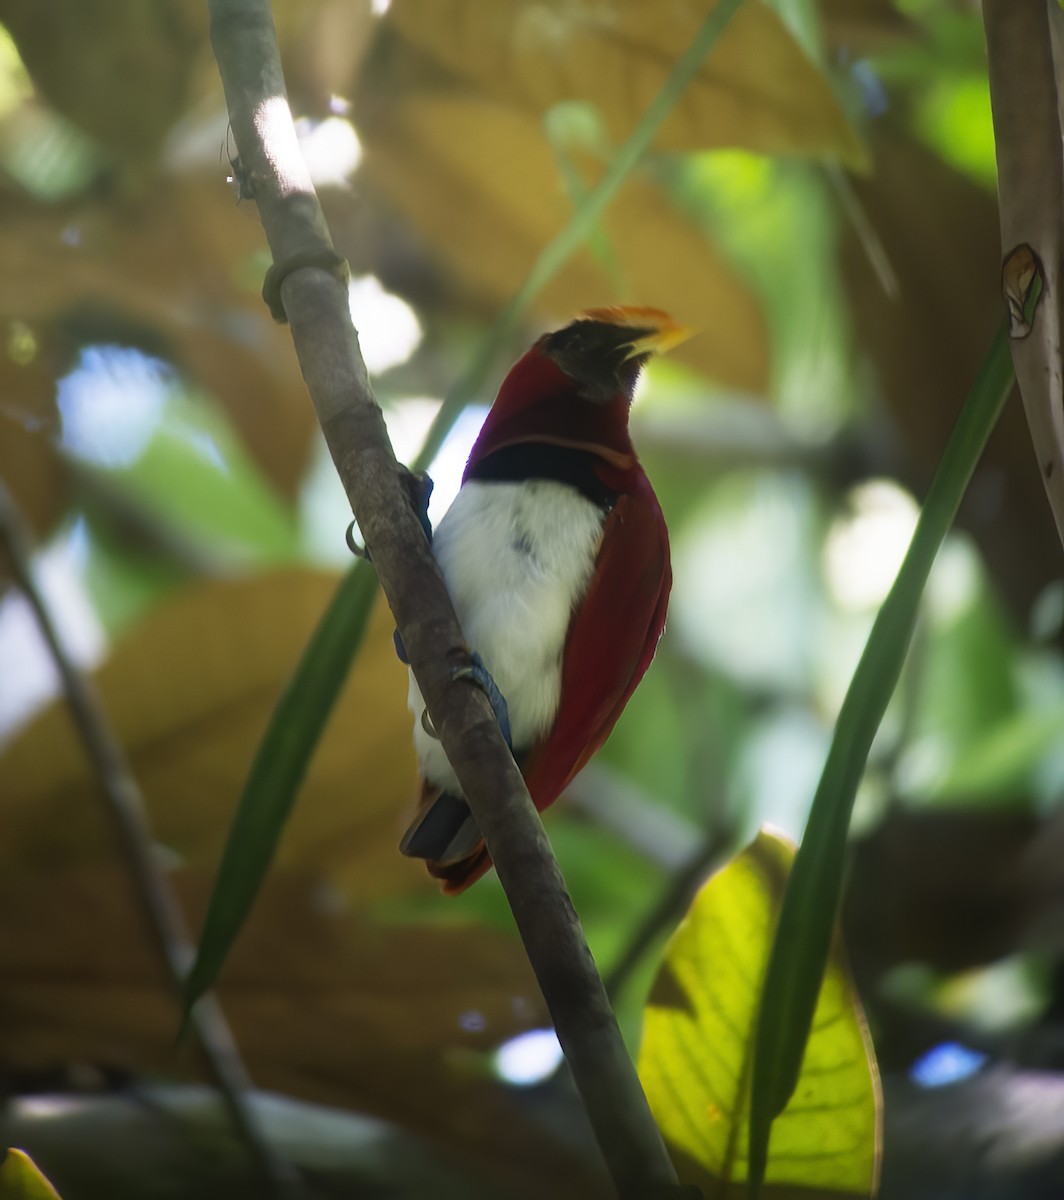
(539, 403)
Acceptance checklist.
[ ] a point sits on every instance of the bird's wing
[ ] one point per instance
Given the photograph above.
(611, 639)
(610, 643)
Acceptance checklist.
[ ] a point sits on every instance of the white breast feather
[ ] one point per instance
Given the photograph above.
(517, 558)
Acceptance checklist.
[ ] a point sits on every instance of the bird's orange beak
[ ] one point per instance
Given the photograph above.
(656, 332)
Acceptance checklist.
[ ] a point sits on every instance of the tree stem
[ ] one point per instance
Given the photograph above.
(316, 304)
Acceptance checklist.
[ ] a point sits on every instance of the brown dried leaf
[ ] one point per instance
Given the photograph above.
(757, 89)
(392, 1021)
(189, 692)
(481, 184)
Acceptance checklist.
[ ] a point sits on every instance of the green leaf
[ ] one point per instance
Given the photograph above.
(807, 917)
(698, 1045)
(1001, 766)
(20, 1179)
(195, 477)
(276, 774)
(969, 683)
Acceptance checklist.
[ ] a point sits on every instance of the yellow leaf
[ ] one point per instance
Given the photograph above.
(758, 90)
(481, 183)
(20, 1179)
(698, 1040)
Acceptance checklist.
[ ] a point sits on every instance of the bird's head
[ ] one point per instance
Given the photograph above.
(574, 386)
(604, 349)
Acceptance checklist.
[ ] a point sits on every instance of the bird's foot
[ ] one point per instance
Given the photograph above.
(476, 673)
(419, 486)
(479, 674)
(356, 548)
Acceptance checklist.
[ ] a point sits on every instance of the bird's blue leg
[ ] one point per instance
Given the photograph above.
(479, 674)
(420, 488)
(475, 672)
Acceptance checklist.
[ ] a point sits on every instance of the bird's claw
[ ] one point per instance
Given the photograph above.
(356, 548)
(477, 674)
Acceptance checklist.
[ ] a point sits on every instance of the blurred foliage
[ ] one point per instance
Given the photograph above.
(154, 429)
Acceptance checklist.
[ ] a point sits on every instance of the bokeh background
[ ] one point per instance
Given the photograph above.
(821, 206)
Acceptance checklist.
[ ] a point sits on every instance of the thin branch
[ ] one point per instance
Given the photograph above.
(316, 304)
(159, 903)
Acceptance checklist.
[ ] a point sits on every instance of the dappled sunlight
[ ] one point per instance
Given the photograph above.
(324, 509)
(111, 404)
(529, 1058)
(331, 149)
(274, 125)
(29, 678)
(946, 1063)
(388, 329)
(956, 581)
(864, 547)
(743, 598)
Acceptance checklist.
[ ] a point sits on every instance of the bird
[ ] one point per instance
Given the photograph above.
(556, 557)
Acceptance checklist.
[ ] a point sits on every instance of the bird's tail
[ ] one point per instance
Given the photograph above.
(446, 836)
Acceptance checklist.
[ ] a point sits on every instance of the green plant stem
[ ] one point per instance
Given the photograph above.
(280, 766)
(807, 918)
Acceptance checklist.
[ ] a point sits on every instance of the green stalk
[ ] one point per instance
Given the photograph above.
(807, 918)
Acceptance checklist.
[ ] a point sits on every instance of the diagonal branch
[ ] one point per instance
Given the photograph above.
(159, 902)
(314, 298)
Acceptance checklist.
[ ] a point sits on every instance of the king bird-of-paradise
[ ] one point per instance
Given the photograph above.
(556, 558)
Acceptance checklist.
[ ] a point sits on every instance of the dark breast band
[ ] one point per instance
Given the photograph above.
(537, 460)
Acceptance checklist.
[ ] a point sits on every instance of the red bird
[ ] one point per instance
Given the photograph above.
(556, 557)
